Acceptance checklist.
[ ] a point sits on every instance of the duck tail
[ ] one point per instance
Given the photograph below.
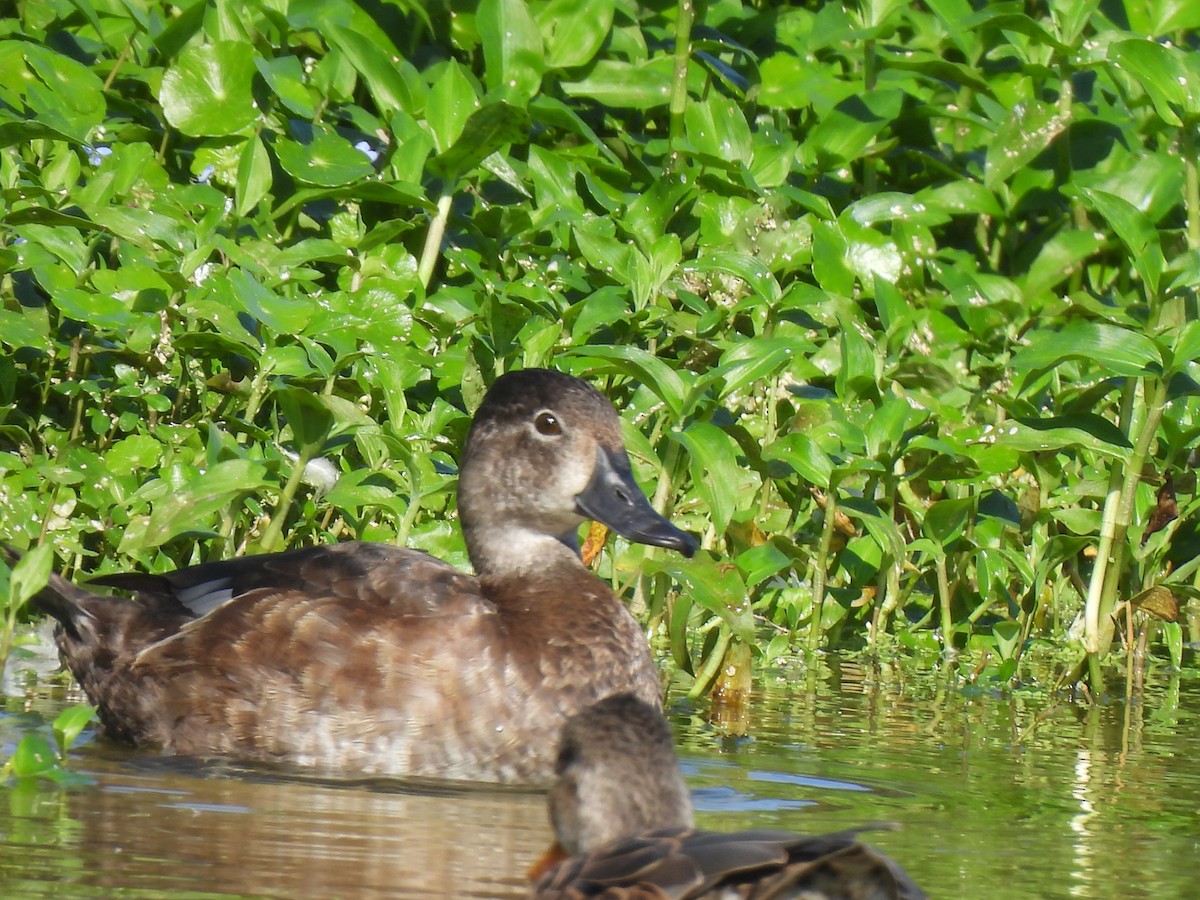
(60, 599)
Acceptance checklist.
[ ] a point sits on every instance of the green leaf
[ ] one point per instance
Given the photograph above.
(946, 520)
(804, 455)
(1115, 350)
(30, 574)
(643, 86)
(35, 757)
(70, 723)
(893, 206)
(282, 316)
(128, 455)
(574, 30)
(192, 506)
(717, 129)
(253, 175)
(1160, 72)
(327, 159)
(27, 328)
(393, 82)
(1031, 127)
(207, 90)
(1008, 635)
(285, 76)
(1058, 260)
(62, 94)
(716, 586)
(762, 562)
(512, 49)
(664, 381)
(1084, 430)
(1136, 232)
(844, 134)
(1186, 346)
(1158, 18)
(486, 131)
(713, 464)
(452, 100)
(310, 419)
(753, 362)
(754, 272)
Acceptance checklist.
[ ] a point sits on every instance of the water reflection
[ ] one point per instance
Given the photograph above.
(1013, 795)
(1002, 796)
(157, 829)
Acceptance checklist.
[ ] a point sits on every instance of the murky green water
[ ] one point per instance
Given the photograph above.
(998, 796)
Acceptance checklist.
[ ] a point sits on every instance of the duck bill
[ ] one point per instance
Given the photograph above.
(613, 498)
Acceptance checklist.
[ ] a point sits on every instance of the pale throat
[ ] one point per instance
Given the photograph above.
(515, 550)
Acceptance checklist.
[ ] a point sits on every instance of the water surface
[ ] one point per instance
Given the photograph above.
(998, 795)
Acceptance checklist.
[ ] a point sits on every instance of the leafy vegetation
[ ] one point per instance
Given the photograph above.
(37, 758)
(898, 299)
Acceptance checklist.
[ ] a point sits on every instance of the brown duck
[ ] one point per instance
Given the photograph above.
(620, 805)
(373, 659)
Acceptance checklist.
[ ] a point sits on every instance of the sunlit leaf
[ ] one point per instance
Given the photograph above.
(1083, 430)
(574, 30)
(1031, 126)
(207, 90)
(512, 49)
(1115, 350)
(1136, 232)
(644, 85)
(712, 461)
(394, 83)
(326, 159)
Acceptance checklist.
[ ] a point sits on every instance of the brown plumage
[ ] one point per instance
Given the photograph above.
(373, 659)
(620, 806)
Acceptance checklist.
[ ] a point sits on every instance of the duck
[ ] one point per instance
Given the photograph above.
(369, 659)
(624, 826)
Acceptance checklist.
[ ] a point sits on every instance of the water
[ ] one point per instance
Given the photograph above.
(998, 796)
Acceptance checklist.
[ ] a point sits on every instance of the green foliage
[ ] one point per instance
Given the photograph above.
(37, 758)
(899, 297)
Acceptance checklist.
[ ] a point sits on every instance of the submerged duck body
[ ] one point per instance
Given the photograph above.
(371, 659)
(623, 818)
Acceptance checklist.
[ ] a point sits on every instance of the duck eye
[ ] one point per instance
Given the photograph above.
(547, 423)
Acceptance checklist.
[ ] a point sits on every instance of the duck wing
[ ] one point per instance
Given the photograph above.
(683, 863)
(328, 656)
(400, 579)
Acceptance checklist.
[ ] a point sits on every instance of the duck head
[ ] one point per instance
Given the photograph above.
(545, 453)
(616, 774)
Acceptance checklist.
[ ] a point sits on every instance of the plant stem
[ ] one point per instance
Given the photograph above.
(1118, 515)
(1108, 534)
(684, 17)
(272, 538)
(433, 239)
(870, 65)
(821, 570)
(712, 665)
(1191, 193)
(943, 588)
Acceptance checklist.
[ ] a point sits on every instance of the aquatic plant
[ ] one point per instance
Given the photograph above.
(901, 297)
